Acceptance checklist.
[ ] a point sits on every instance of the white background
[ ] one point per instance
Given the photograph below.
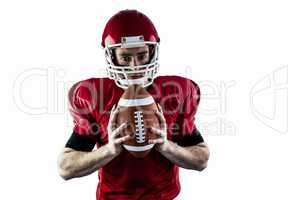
(243, 54)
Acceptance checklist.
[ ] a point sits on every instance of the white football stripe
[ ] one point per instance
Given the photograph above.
(138, 148)
(138, 81)
(136, 102)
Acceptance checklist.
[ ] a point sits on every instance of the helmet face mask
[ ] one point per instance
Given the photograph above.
(126, 75)
(130, 29)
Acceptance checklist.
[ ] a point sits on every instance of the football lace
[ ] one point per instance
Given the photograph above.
(139, 127)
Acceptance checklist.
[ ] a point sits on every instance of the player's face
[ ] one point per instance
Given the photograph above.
(132, 56)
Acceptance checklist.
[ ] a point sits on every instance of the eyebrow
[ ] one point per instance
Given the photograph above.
(128, 54)
(124, 54)
(143, 52)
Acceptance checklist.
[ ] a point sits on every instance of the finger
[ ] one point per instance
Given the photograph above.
(156, 141)
(123, 139)
(113, 117)
(159, 107)
(161, 120)
(160, 116)
(119, 130)
(113, 108)
(157, 131)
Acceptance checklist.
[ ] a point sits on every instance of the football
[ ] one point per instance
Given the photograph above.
(137, 107)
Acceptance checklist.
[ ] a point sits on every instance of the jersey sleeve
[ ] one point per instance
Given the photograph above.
(188, 134)
(80, 109)
(190, 107)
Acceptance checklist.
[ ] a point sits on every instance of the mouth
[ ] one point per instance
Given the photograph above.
(136, 76)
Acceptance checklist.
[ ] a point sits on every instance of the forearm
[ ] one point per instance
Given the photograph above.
(78, 163)
(191, 157)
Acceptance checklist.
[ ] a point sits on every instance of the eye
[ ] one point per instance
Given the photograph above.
(126, 58)
(141, 56)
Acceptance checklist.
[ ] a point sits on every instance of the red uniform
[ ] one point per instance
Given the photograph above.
(127, 177)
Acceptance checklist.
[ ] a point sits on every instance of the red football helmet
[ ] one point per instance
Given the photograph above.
(129, 29)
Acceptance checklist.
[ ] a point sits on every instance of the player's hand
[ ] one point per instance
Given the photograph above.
(161, 143)
(114, 139)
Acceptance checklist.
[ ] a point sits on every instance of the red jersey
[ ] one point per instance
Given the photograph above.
(127, 177)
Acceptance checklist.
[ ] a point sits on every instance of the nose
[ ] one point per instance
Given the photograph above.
(134, 62)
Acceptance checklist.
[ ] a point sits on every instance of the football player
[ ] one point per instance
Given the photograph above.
(131, 45)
